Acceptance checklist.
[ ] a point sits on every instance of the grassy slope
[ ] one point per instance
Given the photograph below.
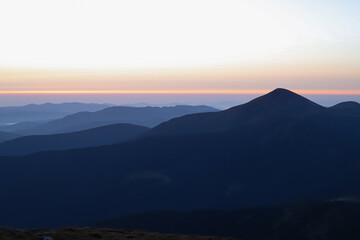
(93, 233)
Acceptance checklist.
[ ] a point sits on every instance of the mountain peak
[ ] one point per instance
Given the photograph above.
(284, 93)
(285, 100)
(278, 105)
(281, 91)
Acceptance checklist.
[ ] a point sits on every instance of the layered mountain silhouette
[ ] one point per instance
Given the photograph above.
(41, 112)
(143, 116)
(22, 126)
(88, 138)
(5, 136)
(277, 149)
(280, 104)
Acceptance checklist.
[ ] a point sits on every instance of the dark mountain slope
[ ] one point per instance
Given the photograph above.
(144, 116)
(272, 157)
(278, 105)
(5, 136)
(327, 220)
(94, 137)
(350, 108)
(183, 172)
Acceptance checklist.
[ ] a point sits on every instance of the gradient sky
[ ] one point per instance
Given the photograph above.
(223, 46)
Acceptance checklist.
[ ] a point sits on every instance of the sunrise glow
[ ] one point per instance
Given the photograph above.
(221, 92)
(179, 47)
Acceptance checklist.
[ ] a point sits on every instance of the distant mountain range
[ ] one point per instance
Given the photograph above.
(22, 126)
(41, 112)
(143, 116)
(87, 138)
(277, 149)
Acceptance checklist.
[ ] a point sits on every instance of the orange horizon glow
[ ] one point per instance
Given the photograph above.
(215, 92)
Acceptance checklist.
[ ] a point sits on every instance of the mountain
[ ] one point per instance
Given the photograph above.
(280, 104)
(41, 112)
(144, 116)
(278, 149)
(21, 126)
(5, 136)
(87, 138)
(351, 108)
(323, 220)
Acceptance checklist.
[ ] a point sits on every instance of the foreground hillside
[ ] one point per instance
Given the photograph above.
(277, 149)
(92, 234)
(331, 220)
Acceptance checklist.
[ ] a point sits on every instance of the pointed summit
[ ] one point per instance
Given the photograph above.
(282, 91)
(270, 109)
(283, 95)
(282, 99)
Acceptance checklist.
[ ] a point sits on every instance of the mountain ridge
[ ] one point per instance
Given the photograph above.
(143, 116)
(279, 103)
(269, 160)
(105, 135)
(41, 112)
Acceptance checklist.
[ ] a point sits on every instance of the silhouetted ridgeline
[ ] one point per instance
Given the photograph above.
(143, 116)
(87, 138)
(5, 136)
(277, 149)
(278, 108)
(41, 112)
(350, 108)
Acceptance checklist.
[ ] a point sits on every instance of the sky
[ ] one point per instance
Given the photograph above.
(139, 49)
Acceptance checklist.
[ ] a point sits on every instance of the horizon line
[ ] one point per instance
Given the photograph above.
(165, 92)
